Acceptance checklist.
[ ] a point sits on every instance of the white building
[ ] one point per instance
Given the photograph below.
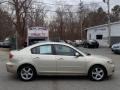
(101, 33)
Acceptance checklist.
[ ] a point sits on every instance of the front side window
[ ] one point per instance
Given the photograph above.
(43, 49)
(64, 50)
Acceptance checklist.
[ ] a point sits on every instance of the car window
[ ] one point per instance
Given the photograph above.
(64, 50)
(43, 49)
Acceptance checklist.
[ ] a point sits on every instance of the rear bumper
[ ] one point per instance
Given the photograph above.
(11, 67)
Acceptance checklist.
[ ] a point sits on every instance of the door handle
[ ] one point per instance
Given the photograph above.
(36, 58)
(60, 59)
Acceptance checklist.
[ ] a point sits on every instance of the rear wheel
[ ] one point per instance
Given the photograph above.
(26, 73)
(86, 45)
(97, 73)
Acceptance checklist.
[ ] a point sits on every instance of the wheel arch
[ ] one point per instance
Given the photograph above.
(97, 65)
(26, 64)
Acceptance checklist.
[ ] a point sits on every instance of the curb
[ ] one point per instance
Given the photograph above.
(4, 49)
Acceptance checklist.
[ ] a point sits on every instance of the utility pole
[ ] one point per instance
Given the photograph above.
(27, 27)
(16, 36)
(109, 26)
(81, 20)
(27, 21)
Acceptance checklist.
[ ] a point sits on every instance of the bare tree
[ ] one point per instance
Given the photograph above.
(63, 24)
(82, 14)
(6, 26)
(20, 8)
(38, 15)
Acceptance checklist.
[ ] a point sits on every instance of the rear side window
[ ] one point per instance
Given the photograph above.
(43, 49)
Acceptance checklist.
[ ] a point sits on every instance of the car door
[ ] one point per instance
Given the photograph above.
(44, 59)
(67, 62)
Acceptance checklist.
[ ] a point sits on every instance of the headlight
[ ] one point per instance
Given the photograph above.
(110, 62)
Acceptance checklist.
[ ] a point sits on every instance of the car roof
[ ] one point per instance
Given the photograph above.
(47, 42)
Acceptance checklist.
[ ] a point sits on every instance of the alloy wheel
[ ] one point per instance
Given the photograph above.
(26, 73)
(98, 73)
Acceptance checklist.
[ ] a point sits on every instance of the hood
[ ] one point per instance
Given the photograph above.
(117, 44)
(100, 58)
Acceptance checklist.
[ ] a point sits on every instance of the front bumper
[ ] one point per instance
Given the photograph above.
(111, 69)
(11, 67)
(116, 50)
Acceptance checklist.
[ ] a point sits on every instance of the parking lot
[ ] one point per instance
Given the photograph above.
(10, 82)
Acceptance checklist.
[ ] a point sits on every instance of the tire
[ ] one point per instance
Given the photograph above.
(84, 45)
(97, 73)
(97, 46)
(26, 73)
(87, 46)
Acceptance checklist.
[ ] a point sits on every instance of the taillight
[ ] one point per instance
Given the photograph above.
(10, 56)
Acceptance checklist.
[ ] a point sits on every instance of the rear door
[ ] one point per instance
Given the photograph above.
(44, 58)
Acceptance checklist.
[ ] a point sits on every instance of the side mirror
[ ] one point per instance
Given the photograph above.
(88, 54)
(77, 54)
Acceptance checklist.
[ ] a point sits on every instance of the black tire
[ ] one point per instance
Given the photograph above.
(87, 46)
(100, 76)
(22, 74)
(84, 45)
(97, 46)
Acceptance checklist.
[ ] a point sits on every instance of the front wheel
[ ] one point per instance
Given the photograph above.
(97, 46)
(97, 73)
(26, 73)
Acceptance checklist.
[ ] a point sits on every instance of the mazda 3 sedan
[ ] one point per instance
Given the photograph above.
(53, 58)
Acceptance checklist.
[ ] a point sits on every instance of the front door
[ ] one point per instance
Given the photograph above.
(67, 62)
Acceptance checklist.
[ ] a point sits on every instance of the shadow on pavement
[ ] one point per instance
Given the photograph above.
(61, 78)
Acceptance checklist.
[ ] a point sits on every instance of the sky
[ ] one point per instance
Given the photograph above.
(75, 2)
